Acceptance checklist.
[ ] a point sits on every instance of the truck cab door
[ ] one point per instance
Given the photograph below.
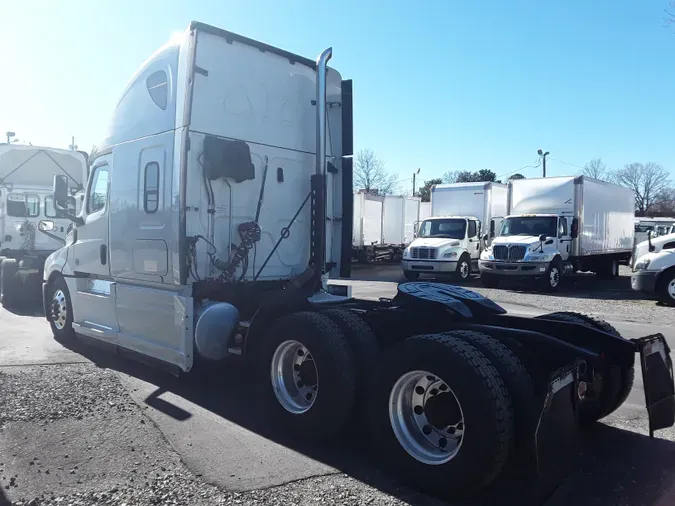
(92, 289)
(473, 235)
(564, 240)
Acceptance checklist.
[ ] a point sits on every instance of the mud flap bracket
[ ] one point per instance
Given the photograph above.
(657, 375)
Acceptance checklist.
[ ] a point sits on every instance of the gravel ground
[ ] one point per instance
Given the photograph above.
(71, 435)
(584, 293)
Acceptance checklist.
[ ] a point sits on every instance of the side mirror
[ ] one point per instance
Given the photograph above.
(60, 193)
(649, 240)
(542, 238)
(574, 232)
(486, 237)
(492, 228)
(46, 225)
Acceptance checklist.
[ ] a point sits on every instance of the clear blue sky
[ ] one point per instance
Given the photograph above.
(439, 84)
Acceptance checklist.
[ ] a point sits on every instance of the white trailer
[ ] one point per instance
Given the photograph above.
(30, 226)
(214, 212)
(463, 220)
(383, 225)
(560, 225)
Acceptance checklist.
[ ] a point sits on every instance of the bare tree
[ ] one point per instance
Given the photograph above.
(649, 181)
(596, 169)
(451, 176)
(371, 176)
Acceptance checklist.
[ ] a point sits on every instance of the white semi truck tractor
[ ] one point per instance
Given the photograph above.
(558, 226)
(31, 228)
(464, 217)
(216, 211)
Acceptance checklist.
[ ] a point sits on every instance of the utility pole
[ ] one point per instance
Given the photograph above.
(414, 175)
(73, 146)
(543, 158)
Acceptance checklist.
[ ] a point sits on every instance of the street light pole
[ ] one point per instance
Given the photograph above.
(9, 136)
(414, 175)
(543, 157)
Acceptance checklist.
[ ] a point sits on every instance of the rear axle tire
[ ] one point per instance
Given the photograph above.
(306, 374)
(617, 381)
(424, 392)
(9, 284)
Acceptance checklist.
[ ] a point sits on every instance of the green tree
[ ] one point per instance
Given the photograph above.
(516, 176)
(425, 191)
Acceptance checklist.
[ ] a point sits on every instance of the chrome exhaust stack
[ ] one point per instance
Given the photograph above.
(318, 181)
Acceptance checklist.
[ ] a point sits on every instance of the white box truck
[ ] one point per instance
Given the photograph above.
(30, 226)
(212, 216)
(557, 226)
(451, 241)
(383, 226)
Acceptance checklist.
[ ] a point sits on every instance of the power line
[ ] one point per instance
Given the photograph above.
(567, 163)
(531, 166)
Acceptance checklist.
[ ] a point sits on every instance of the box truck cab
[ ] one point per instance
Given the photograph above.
(31, 228)
(464, 217)
(558, 226)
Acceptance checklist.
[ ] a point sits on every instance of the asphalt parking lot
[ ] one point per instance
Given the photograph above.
(78, 426)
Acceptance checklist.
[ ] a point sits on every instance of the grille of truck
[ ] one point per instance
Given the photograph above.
(508, 252)
(423, 253)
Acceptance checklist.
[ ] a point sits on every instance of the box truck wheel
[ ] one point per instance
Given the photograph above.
(59, 310)
(463, 271)
(666, 288)
(306, 374)
(2, 259)
(411, 275)
(441, 414)
(617, 381)
(608, 269)
(9, 284)
(550, 281)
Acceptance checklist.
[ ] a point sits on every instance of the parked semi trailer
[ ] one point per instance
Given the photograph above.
(383, 226)
(30, 227)
(464, 217)
(560, 225)
(208, 235)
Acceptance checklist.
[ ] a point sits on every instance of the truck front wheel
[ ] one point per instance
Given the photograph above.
(441, 414)
(666, 288)
(550, 282)
(463, 271)
(307, 375)
(59, 310)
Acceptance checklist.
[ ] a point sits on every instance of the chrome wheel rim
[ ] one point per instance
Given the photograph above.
(295, 379)
(426, 417)
(59, 309)
(554, 277)
(671, 289)
(464, 269)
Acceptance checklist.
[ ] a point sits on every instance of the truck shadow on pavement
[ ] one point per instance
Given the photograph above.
(617, 466)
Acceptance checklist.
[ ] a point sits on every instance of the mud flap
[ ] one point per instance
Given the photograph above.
(556, 437)
(541, 465)
(657, 375)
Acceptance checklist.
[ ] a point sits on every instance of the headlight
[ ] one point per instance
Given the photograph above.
(642, 264)
(451, 254)
(406, 252)
(487, 254)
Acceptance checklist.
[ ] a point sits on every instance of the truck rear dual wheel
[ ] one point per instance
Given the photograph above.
(307, 374)
(441, 412)
(617, 381)
(608, 269)
(9, 283)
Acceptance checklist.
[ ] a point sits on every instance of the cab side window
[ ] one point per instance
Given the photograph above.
(562, 228)
(473, 229)
(97, 195)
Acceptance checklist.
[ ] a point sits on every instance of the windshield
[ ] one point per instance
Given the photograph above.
(20, 205)
(530, 225)
(449, 229)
